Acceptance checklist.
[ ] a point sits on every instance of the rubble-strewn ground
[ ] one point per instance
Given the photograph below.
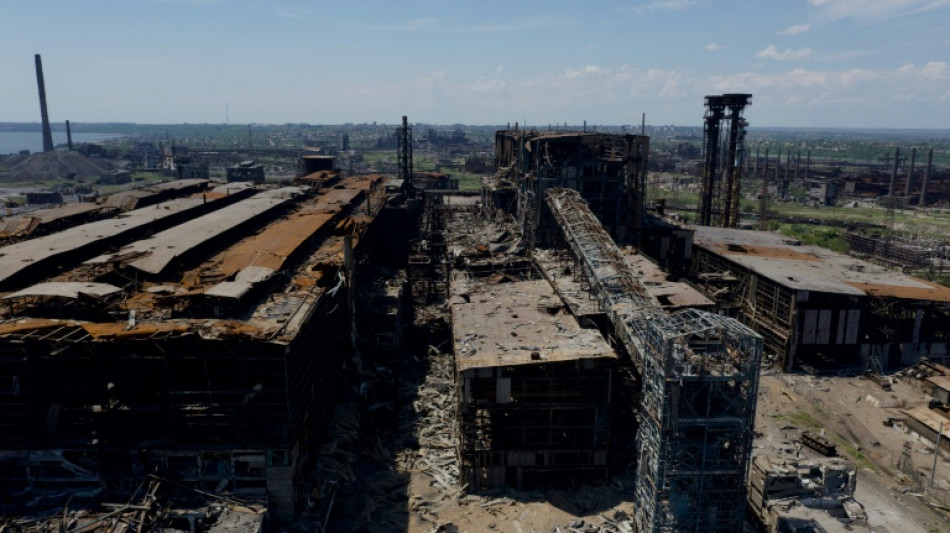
(399, 468)
(400, 472)
(851, 411)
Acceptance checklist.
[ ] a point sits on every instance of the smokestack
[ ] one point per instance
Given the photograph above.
(923, 186)
(69, 137)
(897, 157)
(47, 133)
(910, 173)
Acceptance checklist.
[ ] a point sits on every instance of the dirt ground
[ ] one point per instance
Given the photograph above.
(852, 411)
(409, 479)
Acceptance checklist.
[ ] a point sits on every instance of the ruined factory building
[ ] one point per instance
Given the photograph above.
(535, 387)
(199, 334)
(820, 308)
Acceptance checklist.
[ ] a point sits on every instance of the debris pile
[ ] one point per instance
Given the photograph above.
(56, 165)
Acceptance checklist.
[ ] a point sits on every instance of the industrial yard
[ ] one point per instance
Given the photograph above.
(528, 336)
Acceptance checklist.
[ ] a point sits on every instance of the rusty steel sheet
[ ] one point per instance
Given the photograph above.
(924, 291)
(121, 330)
(772, 252)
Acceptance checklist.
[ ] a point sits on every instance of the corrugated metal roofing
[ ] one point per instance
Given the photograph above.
(164, 247)
(813, 268)
(65, 289)
(20, 256)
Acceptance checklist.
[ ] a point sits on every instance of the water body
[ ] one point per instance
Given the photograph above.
(12, 142)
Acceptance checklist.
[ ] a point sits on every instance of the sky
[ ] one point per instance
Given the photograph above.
(807, 63)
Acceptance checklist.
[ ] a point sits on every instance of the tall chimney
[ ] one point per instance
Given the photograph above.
(69, 137)
(923, 186)
(897, 158)
(910, 173)
(47, 133)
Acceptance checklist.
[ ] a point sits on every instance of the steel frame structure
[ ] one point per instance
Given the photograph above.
(721, 187)
(700, 377)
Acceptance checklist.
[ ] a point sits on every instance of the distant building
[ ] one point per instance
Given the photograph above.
(434, 180)
(246, 171)
(44, 197)
(193, 170)
(315, 163)
(115, 177)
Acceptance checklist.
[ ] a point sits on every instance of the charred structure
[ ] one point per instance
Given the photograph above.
(818, 308)
(699, 380)
(609, 171)
(200, 337)
(722, 168)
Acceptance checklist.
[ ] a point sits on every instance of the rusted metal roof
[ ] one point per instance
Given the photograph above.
(17, 257)
(243, 282)
(922, 290)
(65, 289)
(519, 323)
(67, 210)
(812, 268)
(670, 294)
(165, 247)
(942, 382)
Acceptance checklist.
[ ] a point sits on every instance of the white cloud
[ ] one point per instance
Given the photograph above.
(771, 52)
(659, 5)
(715, 47)
(616, 94)
(675, 5)
(843, 55)
(604, 85)
(796, 29)
(534, 23)
(815, 88)
(588, 71)
(443, 26)
(874, 10)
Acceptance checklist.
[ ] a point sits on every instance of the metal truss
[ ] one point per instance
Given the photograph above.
(700, 375)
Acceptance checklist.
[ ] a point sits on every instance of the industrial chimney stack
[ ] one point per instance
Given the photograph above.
(69, 137)
(47, 133)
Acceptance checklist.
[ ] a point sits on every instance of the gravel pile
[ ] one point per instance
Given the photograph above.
(44, 166)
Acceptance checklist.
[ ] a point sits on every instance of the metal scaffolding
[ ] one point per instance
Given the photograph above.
(721, 185)
(700, 375)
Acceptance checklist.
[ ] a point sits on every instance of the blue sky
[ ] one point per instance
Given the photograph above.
(808, 63)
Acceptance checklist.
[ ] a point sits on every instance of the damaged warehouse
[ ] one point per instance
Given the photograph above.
(199, 337)
(819, 308)
(531, 396)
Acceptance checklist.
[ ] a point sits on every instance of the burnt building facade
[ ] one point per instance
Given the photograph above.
(199, 339)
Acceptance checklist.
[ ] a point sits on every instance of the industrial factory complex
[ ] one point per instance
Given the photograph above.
(234, 355)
